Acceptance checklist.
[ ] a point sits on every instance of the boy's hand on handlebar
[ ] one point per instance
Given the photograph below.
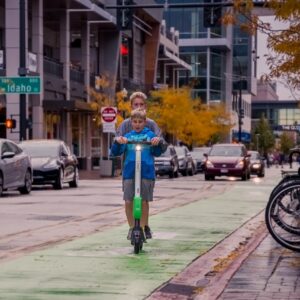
(155, 141)
(121, 140)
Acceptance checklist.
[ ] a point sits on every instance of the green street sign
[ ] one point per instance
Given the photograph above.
(20, 85)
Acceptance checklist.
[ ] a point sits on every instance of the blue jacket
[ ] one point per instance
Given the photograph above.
(148, 153)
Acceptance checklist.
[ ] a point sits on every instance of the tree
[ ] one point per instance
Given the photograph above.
(283, 59)
(187, 119)
(286, 143)
(266, 136)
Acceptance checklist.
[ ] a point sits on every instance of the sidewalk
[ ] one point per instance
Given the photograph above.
(89, 175)
(270, 272)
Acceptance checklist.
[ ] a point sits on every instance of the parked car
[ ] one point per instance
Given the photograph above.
(15, 168)
(199, 159)
(257, 165)
(227, 160)
(185, 161)
(52, 162)
(167, 163)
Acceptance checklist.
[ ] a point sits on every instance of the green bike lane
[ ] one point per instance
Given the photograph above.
(103, 266)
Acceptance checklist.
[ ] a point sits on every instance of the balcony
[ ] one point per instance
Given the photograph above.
(53, 67)
(76, 74)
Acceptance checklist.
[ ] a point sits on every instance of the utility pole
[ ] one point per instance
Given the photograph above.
(22, 68)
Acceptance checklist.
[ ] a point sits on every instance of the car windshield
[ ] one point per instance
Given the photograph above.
(198, 154)
(180, 150)
(40, 150)
(167, 153)
(225, 151)
(254, 155)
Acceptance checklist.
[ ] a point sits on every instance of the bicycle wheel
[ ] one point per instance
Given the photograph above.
(285, 226)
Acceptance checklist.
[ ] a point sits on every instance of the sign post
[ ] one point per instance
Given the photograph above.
(108, 118)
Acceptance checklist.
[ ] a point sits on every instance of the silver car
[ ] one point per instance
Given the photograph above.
(15, 168)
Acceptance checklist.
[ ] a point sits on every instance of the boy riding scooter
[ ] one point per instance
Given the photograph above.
(139, 133)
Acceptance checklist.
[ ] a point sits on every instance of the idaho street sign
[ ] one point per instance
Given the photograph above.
(20, 85)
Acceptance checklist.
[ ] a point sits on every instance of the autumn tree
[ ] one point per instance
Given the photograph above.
(106, 96)
(286, 143)
(187, 119)
(283, 59)
(265, 134)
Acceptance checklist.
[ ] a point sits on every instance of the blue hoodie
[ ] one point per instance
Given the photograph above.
(148, 153)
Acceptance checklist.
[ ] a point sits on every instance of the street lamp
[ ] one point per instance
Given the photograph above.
(240, 111)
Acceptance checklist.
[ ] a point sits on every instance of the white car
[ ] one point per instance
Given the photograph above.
(15, 168)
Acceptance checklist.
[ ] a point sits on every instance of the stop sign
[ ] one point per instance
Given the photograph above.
(108, 114)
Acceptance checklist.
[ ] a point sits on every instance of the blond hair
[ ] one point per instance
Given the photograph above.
(137, 95)
(138, 113)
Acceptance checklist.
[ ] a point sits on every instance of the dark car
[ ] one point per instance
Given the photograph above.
(257, 165)
(198, 156)
(185, 161)
(167, 163)
(227, 160)
(52, 162)
(15, 168)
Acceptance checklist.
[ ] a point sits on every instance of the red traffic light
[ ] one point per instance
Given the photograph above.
(10, 123)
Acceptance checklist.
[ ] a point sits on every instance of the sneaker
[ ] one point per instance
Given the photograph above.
(129, 234)
(148, 232)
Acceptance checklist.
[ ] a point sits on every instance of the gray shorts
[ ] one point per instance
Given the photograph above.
(147, 187)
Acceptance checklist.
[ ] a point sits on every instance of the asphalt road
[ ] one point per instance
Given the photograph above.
(71, 244)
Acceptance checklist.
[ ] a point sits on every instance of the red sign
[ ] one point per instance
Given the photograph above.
(108, 114)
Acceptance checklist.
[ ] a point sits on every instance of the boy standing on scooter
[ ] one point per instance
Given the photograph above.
(139, 133)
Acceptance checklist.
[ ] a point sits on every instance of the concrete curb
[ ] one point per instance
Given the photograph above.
(207, 276)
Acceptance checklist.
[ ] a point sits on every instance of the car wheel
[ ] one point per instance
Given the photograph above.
(184, 172)
(191, 172)
(58, 185)
(75, 182)
(176, 174)
(244, 177)
(26, 189)
(206, 177)
(1, 184)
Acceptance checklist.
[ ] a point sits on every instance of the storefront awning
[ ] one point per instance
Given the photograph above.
(67, 105)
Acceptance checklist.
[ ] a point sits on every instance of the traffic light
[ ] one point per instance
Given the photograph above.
(10, 123)
(124, 15)
(212, 15)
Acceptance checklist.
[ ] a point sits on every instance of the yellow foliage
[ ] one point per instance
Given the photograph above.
(187, 119)
(284, 58)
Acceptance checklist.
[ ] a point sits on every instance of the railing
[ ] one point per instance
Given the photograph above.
(76, 74)
(54, 67)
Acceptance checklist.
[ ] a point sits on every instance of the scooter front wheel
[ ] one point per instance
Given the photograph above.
(138, 247)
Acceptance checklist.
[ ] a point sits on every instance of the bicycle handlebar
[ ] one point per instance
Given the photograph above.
(139, 142)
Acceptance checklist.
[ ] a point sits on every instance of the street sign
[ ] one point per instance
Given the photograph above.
(20, 85)
(109, 114)
(109, 127)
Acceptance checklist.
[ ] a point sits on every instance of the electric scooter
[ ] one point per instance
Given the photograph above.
(137, 236)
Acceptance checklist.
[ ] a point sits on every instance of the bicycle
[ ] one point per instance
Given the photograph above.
(282, 213)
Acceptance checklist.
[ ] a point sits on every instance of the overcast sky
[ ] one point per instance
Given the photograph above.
(283, 92)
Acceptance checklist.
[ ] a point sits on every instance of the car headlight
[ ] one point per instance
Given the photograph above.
(51, 165)
(240, 164)
(209, 164)
(256, 166)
